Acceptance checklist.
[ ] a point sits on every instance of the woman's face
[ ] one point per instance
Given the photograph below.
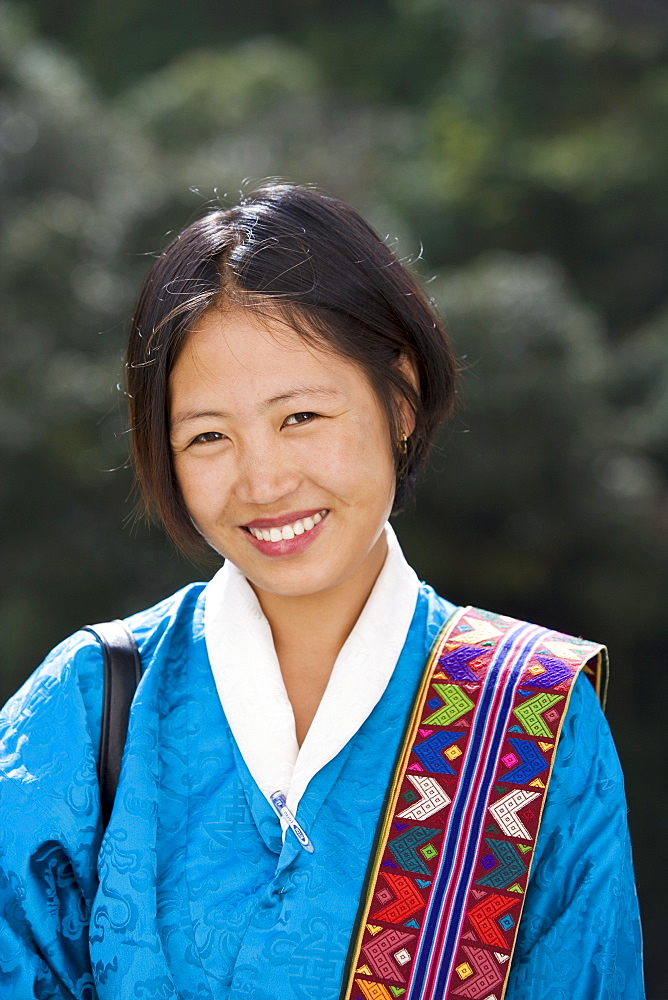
(282, 454)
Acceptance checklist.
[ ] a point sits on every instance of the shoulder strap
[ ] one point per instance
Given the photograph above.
(122, 673)
(443, 897)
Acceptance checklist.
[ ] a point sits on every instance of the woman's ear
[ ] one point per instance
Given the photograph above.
(407, 369)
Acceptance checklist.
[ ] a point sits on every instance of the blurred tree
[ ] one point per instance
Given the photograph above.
(534, 125)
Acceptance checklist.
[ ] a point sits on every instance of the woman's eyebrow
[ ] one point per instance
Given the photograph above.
(302, 390)
(187, 415)
(298, 392)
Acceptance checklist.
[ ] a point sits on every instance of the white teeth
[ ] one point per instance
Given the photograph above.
(288, 531)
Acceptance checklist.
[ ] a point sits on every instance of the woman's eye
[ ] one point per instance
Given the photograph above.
(207, 436)
(299, 418)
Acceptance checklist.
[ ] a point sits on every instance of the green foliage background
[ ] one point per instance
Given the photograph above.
(516, 152)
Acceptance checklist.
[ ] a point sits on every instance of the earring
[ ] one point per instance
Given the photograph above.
(403, 443)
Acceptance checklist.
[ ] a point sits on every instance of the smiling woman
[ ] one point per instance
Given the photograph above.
(335, 783)
(257, 464)
(312, 269)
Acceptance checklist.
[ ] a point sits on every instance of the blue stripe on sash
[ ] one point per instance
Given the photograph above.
(479, 726)
(479, 813)
(458, 807)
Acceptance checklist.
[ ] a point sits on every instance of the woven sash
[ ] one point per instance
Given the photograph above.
(445, 888)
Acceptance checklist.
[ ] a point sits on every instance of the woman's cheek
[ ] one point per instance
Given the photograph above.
(328, 461)
(200, 480)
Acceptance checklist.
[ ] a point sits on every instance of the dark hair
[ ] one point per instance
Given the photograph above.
(315, 260)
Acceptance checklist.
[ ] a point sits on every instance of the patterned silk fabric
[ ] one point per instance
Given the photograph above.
(193, 894)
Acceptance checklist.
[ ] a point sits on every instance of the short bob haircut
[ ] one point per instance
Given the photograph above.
(318, 266)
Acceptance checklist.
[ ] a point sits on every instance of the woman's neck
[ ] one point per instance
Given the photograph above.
(310, 630)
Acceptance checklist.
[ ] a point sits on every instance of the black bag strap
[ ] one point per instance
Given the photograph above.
(122, 673)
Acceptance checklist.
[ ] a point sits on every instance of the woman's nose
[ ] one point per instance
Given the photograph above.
(267, 473)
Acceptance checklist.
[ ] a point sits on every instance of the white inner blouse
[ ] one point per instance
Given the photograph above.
(250, 686)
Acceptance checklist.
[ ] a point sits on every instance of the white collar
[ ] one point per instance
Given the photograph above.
(250, 685)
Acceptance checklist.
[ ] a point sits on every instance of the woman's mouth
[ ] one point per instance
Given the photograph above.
(288, 538)
(289, 530)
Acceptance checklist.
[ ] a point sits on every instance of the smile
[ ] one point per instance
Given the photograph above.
(286, 532)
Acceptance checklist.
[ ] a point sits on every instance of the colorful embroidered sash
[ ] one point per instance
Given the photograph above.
(445, 889)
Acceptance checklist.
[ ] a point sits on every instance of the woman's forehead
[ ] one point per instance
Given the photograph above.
(247, 325)
(257, 342)
(246, 356)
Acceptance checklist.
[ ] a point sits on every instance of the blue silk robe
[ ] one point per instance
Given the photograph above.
(192, 892)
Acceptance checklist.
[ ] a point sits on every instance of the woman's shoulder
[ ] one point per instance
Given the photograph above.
(74, 660)
(166, 620)
(586, 756)
(480, 625)
(572, 667)
(50, 728)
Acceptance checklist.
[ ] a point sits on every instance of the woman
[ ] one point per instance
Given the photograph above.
(334, 780)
